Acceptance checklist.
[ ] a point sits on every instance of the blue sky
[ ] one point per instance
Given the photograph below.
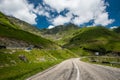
(50, 13)
(114, 11)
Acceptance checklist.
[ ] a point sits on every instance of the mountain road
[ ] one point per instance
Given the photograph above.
(74, 69)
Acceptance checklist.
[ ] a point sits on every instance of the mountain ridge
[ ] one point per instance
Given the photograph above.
(10, 30)
(60, 34)
(24, 25)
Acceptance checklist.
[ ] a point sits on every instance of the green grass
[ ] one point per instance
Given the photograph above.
(95, 38)
(117, 30)
(22, 71)
(12, 68)
(24, 25)
(111, 61)
(93, 34)
(80, 51)
(60, 34)
(4, 21)
(11, 31)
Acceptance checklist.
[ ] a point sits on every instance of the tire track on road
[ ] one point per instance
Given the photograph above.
(78, 71)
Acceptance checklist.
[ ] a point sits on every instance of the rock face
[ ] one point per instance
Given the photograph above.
(10, 42)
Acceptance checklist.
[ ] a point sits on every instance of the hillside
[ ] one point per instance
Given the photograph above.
(60, 34)
(10, 34)
(95, 39)
(14, 67)
(20, 62)
(24, 26)
(117, 30)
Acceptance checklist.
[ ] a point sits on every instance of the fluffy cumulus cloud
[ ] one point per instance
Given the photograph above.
(60, 20)
(42, 11)
(20, 9)
(103, 19)
(78, 12)
(113, 27)
(59, 12)
(50, 27)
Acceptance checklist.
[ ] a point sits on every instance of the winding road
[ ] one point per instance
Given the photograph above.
(74, 69)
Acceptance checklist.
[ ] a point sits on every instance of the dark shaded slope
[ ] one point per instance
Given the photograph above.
(117, 30)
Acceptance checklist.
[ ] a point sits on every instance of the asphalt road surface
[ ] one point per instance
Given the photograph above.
(74, 69)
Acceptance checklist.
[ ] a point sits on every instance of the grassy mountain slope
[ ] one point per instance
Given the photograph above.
(13, 68)
(12, 31)
(117, 30)
(60, 34)
(94, 38)
(24, 26)
(18, 64)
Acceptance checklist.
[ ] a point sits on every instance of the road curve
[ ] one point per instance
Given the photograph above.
(74, 69)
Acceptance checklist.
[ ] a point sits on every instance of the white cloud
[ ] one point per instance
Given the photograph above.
(40, 10)
(103, 19)
(20, 9)
(50, 27)
(85, 11)
(60, 20)
(113, 27)
(79, 11)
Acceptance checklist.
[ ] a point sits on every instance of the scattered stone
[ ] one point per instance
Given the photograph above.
(23, 58)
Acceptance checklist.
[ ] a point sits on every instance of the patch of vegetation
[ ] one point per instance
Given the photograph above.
(11, 31)
(103, 60)
(4, 21)
(80, 51)
(60, 34)
(12, 67)
(24, 26)
(22, 71)
(94, 39)
(16, 64)
(117, 30)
